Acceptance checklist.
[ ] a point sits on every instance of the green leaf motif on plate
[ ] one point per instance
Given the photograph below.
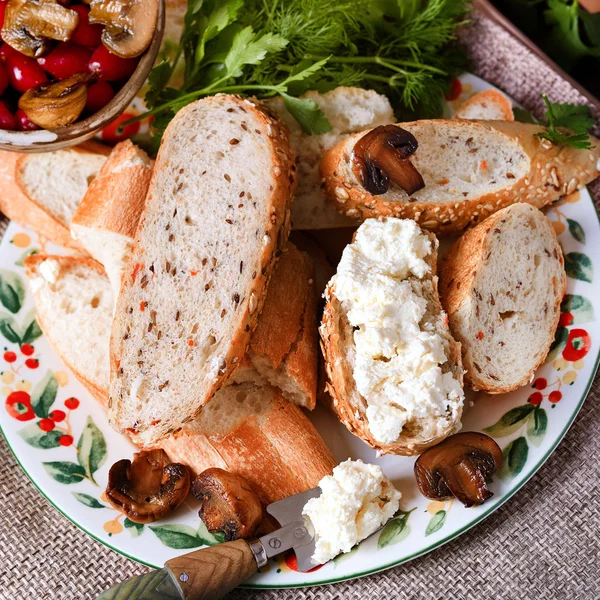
(65, 472)
(88, 500)
(135, 528)
(91, 449)
(580, 307)
(44, 395)
(31, 331)
(45, 440)
(29, 252)
(340, 558)
(436, 522)
(536, 426)
(395, 530)
(207, 538)
(9, 328)
(560, 341)
(179, 537)
(579, 266)
(12, 291)
(514, 457)
(510, 421)
(576, 231)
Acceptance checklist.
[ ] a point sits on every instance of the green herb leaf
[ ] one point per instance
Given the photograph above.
(43, 395)
(307, 113)
(576, 118)
(247, 49)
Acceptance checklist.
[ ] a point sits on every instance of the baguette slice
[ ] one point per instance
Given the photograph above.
(254, 432)
(74, 304)
(471, 169)
(265, 438)
(339, 352)
(348, 110)
(489, 105)
(107, 218)
(502, 284)
(41, 191)
(215, 221)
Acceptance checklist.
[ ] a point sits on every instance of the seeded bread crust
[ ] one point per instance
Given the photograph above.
(468, 302)
(49, 321)
(554, 170)
(337, 345)
(213, 370)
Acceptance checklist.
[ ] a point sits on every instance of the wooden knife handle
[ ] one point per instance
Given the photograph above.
(210, 573)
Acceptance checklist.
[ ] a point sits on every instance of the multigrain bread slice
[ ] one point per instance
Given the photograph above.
(262, 435)
(427, 421)
(106, 220)
(489, 105)
(74, 304)
(215, 221)
(283, 347)
(254, 432)
(349, 110)
(502, 283)
(471, 169)
(42, 191)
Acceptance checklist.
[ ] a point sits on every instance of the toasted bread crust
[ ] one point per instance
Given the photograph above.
(128, 183)
(458, 270)
(337, 345)
(276, 231)
(555, 170)
(490, 96)
(282, 439)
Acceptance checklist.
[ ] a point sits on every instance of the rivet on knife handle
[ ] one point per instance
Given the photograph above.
(210, 573)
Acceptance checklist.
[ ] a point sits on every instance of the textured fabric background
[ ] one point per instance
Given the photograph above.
(543, 544)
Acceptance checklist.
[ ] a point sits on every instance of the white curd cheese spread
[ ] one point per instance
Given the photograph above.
(50, 270)
(381, 282)
(355, 501)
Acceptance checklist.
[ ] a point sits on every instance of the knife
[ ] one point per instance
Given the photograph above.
(212, 572)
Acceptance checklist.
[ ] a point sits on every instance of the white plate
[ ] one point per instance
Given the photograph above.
(72, 476)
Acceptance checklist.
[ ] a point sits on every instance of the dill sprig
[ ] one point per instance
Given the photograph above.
(403, 49)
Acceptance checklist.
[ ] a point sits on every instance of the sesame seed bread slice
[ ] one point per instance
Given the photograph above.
(489, 105)
(215, 221)
(349, 110)
(41, 191)
(471, 169)
(502, 284)
(339, 352)
(106, 220)
(74, 304)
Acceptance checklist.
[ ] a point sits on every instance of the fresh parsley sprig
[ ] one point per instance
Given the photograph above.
(266, 48)
(574, 121)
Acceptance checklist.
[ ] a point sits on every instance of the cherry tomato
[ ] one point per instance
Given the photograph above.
(2, 9)
(65, 60)
(7, 119)
(113, 134)
(24, 123)
(18, 406)
(85, 34)
(99, 95)
(109, 66)
(6, 51)
(24, 72)
(3, 79)
(291, 562)
(578, 345)
(455, 90)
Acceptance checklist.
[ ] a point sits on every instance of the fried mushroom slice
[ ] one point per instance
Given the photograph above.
(382, 155)
(459, 467)
(29, 25)
(149, 487)
(228, 504)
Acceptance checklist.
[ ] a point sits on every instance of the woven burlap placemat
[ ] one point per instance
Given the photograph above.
(543, 544)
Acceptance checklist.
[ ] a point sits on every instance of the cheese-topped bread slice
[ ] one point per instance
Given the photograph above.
(395, 373)
(215, 219)
(502, 284)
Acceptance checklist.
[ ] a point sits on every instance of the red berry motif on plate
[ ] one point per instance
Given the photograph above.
(71, 403)
(57, 416)
(32, 363)
(65, 440)
(10, 357)
(566, 319)
(540, 383)
(86, 34)
(18, 406)
(291, 562)
(555, 396)
(46, 425)
(578, 345)
(27, 349)
(535, 398)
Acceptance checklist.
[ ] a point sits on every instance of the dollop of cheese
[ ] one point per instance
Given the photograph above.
(355, 501)
(50, 270)
(399, 356)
